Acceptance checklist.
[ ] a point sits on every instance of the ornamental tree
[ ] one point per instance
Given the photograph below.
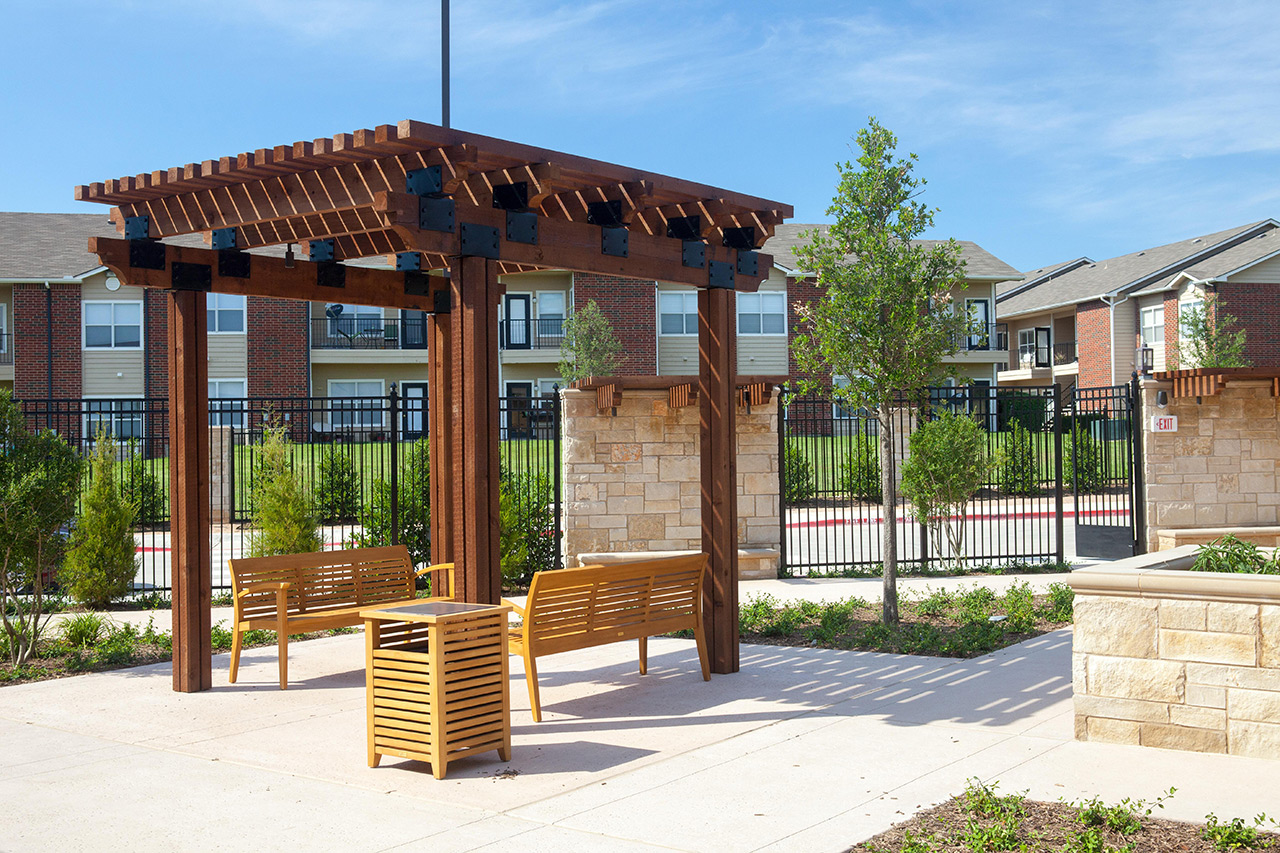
(590, 347)
(1208, 338)
(885, 318)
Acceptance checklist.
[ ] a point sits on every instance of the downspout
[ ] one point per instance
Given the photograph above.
(48, 332)
(1107, 300)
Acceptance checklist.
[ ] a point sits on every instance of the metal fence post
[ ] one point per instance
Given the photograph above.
(1059, 529)
(393, 400)
(1136, 475)
(782, 482)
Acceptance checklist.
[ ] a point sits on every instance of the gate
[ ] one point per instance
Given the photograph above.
(1104, 436)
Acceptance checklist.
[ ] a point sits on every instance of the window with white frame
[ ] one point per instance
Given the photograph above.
(677, 312)
(226, 402)
(4, 327)
(122, 419)
(356, 403)
(1026, 348)
(763, 313)
(353, 319)
(225, 312)
(551, 314)
(113, 325)
(1153, 325)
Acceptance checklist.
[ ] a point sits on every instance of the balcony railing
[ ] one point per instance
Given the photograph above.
(990, 337)
(368, 333)
(1064, 353)
(6, 348)
(531, 334)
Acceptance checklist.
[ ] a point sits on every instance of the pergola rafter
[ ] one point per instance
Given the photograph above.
(433, 198)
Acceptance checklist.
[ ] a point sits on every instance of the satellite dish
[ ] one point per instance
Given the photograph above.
(334, 311)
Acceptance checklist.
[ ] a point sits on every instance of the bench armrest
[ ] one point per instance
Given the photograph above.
(265, 587)
(516, 607)
(447, 569)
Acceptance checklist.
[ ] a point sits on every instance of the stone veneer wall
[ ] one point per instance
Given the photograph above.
(1177, 659)
(1220, 467)
(632, 480)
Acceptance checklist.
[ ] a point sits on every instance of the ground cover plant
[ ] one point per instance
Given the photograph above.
(1229, 554)
(981, 820)
(964, 623)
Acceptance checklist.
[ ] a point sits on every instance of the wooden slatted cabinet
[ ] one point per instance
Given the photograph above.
(436, 682)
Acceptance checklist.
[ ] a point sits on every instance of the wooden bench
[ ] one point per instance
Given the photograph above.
(295, 593)
(592, 605)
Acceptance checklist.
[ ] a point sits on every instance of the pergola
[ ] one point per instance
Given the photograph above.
(455, 210)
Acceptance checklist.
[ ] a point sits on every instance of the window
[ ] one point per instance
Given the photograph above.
(1153, 325)
(113, 325)
(123, 419)
(226, 313)
(4, 328)
(351, 405)
(550, 323)
(351, 320)
(677, 313)
(1026, 348)
(762, 313)
(226, 402)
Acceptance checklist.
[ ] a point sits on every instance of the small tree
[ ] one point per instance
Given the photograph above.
(39, 481)
(861, 477)
(885, 319)
(527, 524)
(337, 486)
(141, 487)
(413, 507)
(948, 464)
(1082, 458)
(1020, 471)
(283, 520)
(1207, 338)
(799, 484)
(102, 559)
(590, 347)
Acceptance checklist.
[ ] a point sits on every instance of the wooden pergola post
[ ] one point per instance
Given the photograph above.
(440, 430)
(191, 562)
(717, 387)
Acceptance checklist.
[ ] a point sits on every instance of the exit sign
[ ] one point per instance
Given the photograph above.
(1164, 423)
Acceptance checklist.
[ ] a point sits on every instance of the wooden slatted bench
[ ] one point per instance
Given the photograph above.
(295, 593)
(589, 606)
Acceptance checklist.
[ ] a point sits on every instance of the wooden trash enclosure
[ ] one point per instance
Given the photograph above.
(439, 200)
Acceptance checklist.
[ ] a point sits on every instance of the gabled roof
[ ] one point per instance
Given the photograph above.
(1124, 274)
(1034, 277)
(39, 246)
(980, 265)
(1217, 267)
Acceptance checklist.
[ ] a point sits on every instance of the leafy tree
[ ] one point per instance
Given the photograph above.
(948, 464)
(886, 317)
(141, 487)
(1082, 459)
(39, 481)
(1208, 339)
(861, 477)
(283, 519)
(1020, 473)
(102, 558)
(590, 347)
(799, 484)
(337, 486)
(526, 525)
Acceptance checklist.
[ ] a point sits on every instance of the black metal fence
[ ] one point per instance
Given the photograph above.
(832, 511)
(363, 462)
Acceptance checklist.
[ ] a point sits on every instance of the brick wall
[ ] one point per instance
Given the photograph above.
(800, 291)
(1257, 308)
(1093, 344)
(631, 306)
(277, 347)
(30, 341)
(1170, 329)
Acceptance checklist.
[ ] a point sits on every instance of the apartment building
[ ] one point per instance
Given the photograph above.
(1095, 322)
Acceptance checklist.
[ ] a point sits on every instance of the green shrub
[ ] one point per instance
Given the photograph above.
(102, 558)
(1081, 459)
(860, 477)
(1018, 408)
(1020, 608)
(799, 484)
(527, 525)
(948, 464)
(1229, 554)
(413, 503)
(337, 486)
(1061, 603)
(83, 629)
(283, 519)
(1020, 471)
(141, 487)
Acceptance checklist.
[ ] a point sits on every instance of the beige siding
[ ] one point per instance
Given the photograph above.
(94, 289)
(228, 356)
(321, 374)
(1157, 346)
(113, 374)
(757, 354)
(1124, 339)
(1267, 272)
(677, 355)
(762, 354)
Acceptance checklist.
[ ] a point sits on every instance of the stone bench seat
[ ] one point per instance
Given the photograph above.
(1173, 537)
(754, 564)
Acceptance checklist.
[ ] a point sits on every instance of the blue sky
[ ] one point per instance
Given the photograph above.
(1046, 130)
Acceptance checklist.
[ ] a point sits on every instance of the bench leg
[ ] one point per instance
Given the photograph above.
(703, 657)
(282, 638)
(644, 655)
(531, 676)
(236, 642)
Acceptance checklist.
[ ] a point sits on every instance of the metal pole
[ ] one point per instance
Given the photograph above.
(1138, 503)
(444, 63)
(782, 481)
(393, 401)
(1057, 472)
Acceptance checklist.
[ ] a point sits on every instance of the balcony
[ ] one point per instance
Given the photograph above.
(368, 333)
(6, 348)
(545, 333)
(988, 337)
(1064, 353)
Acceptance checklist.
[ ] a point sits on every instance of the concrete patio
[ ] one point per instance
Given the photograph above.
(804, 750)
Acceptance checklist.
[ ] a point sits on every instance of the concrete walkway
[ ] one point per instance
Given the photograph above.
(803, 750)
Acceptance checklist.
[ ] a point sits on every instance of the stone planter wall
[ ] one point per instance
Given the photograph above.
(1220, 467)
(1175, 659)
(633, 479)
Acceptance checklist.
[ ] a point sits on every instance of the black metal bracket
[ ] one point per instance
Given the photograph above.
(720, 275)
(331, 274)
(748, 263)
(428, 181)
(197, 277)
(479, 241)
(436, 213)
(606, 214)
(408, 261)
(442, 301)
(615, 241)
(321, 250)
(685, 227)
(416, 283)
(694, 254)
(233, 263)
(742, 239)
(137, 227)
(146, 254)
(511, 196)
(224, 238)
(522, 226)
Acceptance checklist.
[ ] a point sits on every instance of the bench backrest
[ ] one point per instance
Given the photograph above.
(325, 580)
(593, 605)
